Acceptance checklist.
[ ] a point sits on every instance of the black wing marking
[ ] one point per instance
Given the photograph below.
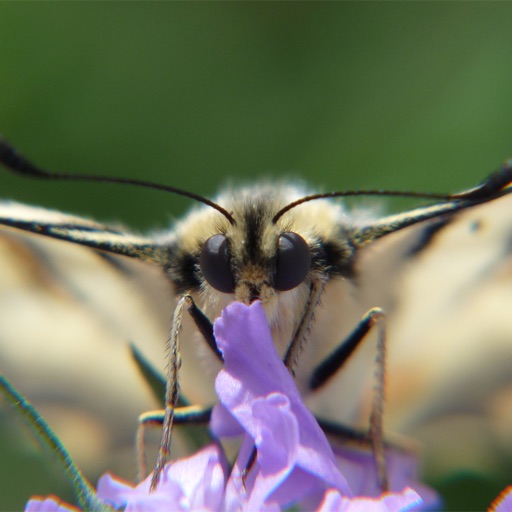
(78, 230)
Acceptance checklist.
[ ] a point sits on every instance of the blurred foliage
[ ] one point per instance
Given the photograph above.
(343, 95)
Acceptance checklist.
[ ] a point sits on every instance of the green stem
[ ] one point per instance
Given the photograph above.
(85, 493)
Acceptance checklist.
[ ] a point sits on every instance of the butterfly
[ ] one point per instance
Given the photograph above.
(439, 272)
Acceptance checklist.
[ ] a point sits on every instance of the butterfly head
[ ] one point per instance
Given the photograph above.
(256, 258)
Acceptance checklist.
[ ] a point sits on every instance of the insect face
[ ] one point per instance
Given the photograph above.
(257, 259)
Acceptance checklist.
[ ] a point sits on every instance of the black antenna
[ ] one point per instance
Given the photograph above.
(491, 187)
(18, 164)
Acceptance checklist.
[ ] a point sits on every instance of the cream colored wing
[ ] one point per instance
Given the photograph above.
(448, 289)
(67, 315)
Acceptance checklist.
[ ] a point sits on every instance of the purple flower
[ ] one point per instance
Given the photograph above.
(193, 483)
(258, 397)
(503, 502)
(48, 504)
(407, 500)
(285, 459)
(358, 466)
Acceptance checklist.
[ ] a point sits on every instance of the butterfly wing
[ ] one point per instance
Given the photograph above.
(447, 286)
(67, 315)
(78, 230)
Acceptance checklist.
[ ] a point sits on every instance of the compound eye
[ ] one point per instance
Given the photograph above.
(215, 264)
(293, 261)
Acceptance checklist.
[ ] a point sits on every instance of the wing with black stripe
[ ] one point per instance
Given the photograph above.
(78, 230)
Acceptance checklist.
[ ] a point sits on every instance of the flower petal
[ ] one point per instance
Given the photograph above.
(358, 466)
(48, 504)
(193, 483)
(256, 388)
(503, 503)
(405, 501)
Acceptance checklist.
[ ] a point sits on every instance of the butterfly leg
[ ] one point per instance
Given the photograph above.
(203, 324)
(334, 361)
(172, 386)
(152, 376)
(171, 391)
(188, 415)
(301, 334)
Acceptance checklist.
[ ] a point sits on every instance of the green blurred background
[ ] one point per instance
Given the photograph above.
(345, 95)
